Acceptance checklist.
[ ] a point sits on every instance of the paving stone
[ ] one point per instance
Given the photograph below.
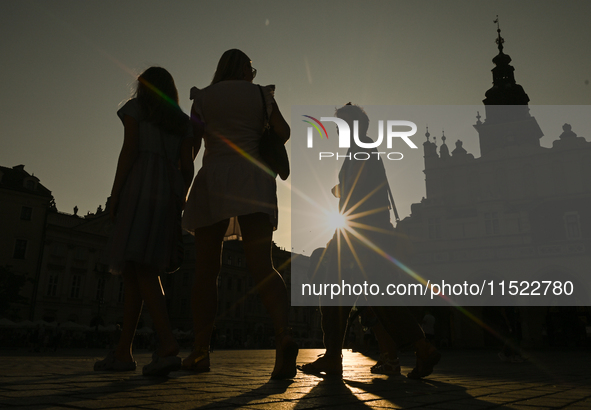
(240, 379)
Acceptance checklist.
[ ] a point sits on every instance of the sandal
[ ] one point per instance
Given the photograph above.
(426, 360)
(386, 366)
(161, 366)
(287, 356)
(198, 361)
(324, 366)
(109, 363)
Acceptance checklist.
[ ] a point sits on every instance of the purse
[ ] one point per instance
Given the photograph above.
(271, 148)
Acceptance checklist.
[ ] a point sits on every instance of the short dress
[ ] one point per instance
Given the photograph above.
(148, 212)
(233, 180)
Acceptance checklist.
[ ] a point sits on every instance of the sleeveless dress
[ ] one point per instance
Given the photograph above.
(147, 214)
(232, 180)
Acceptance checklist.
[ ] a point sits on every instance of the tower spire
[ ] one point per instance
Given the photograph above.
(443, 150)
(500, 40)
(508, 122)
(505, 90)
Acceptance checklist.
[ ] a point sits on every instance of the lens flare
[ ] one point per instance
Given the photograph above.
(336, 221)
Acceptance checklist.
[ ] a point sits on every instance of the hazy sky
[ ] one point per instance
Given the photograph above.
(68, 65)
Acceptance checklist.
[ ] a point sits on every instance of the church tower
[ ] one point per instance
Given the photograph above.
(508, 121)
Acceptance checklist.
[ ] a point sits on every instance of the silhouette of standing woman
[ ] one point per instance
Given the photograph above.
(146, 202)
(232, 184)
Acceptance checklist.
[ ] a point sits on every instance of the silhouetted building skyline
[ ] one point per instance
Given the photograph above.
(519, 211)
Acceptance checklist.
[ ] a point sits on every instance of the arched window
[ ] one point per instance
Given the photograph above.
(572, 225)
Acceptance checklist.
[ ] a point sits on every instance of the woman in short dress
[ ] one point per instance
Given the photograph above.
(153, 175)
(234, 184)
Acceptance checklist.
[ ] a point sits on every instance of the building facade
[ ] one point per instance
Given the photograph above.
(75, 284)
(24, 208)
(65, 257)
(519, 211)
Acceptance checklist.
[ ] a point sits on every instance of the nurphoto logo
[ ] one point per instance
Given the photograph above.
(344, 132)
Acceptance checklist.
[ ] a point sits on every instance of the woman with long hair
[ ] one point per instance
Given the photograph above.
(153, 176)
(234, 183)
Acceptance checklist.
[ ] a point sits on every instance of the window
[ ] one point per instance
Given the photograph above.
(434, 228)
(572, 224)
(20, 249)
(121, 291)
(52, 285)
(49, 315)
(81, 254)
(75, 289)
(30, 184)
(101, 268)
(26, 213)
(491, 223)
(59, 249)
(100, 289)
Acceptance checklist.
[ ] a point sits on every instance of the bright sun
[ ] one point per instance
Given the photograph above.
(336, 220)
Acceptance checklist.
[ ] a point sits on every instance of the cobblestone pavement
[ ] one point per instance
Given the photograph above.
(240, 379)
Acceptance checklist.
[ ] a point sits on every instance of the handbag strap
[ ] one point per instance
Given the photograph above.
(392, 201)
(390, 196)
(266, 116)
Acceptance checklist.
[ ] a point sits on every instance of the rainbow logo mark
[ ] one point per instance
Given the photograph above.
(315, 126)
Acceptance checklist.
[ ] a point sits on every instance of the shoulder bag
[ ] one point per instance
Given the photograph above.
(272, 148)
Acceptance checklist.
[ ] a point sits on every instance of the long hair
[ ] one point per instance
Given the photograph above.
(231, 66)
(159, 100)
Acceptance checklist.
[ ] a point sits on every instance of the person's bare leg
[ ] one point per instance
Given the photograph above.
(334, 327)
(386, 344)
(388, 363)
(153, 295)
(132, 309)
(204, 296)
(404, 329)
(257, 235)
